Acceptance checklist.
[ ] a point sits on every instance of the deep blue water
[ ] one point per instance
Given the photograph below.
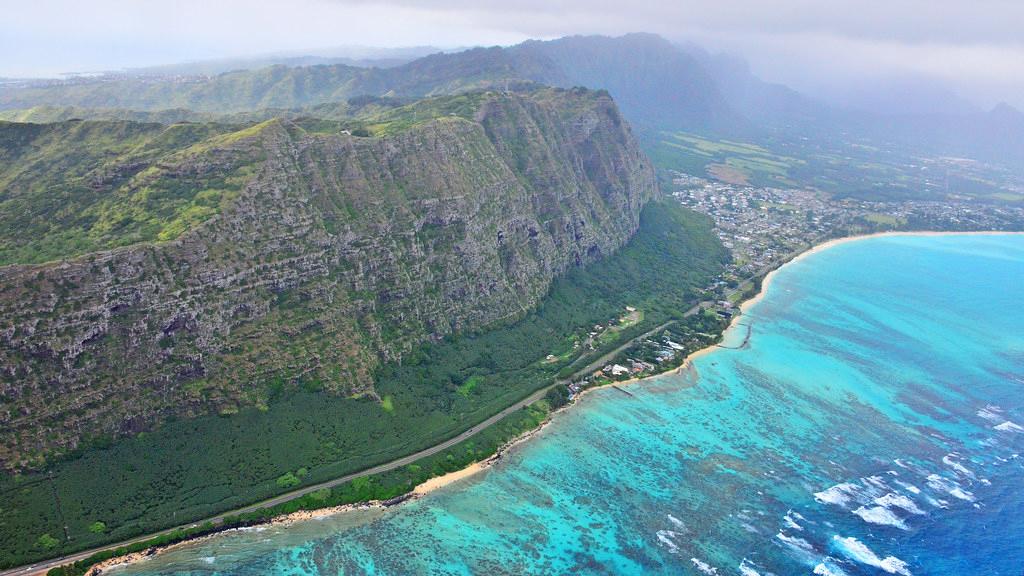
(871, 426)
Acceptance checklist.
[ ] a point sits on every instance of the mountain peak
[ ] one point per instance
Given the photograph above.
(1004, 110)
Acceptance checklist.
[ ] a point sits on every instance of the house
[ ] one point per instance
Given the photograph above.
(619, 370)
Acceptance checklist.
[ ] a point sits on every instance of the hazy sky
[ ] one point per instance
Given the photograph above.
(819, 46)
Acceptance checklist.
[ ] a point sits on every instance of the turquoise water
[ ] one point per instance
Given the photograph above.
(871, 426)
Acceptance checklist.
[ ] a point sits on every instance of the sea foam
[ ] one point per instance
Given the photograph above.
(746, 568)
(676, 522)
(909, 487)
(949, 460)
(881, 516)
(666, 538)
(704, 567)
(840, 494)
(899, 501)
(989, 413)
(856, 550)
(940, 484)
(828, 568)
(1009, 427)
(790, 522)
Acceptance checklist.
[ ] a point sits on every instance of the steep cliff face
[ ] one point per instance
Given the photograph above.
(337, 254)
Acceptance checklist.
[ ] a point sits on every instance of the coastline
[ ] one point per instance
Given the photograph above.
(439, 482)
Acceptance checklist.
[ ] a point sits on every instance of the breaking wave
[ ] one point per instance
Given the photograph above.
(856, 550)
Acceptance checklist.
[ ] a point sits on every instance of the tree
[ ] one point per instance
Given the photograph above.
(288, 480)
(47, 542)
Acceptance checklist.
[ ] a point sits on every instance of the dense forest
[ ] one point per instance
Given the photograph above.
(190, 469)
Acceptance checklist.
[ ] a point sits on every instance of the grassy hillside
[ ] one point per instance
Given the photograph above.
(189, 469)
(75, 187)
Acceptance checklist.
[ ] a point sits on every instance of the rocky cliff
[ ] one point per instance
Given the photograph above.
(336, 254)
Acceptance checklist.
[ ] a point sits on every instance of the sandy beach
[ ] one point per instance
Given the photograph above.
(442, 481)
(438, 482)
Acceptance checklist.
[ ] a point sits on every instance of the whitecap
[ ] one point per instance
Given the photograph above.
(827, 568)
(960, 468)
(677, 522)
(1009, 427)
(796, 543)
(704, 567)
(875, 486)
(940, 484)
(790, 522)
(909, 487)
(989, 414)
(840, 494)
(665, 537)
(856, 550)
(209, 559)
(900, 501)
(881, 516)
(962, 494)
(748, 568)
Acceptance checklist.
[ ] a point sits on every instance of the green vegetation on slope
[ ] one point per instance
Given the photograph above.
(76, 187)
(192, 469)
(341, 253)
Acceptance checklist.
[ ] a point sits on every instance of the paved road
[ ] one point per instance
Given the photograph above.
(42, 567)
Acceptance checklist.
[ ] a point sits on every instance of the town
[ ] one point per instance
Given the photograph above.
(763, 228)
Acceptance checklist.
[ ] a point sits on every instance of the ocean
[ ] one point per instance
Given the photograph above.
(872, 425)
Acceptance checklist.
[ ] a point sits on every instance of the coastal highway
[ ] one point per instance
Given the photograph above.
(42, 567)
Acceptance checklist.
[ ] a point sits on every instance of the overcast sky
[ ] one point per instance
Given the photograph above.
(819, 46)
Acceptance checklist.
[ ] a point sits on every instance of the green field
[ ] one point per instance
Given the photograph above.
(837, 167)
(739, 162)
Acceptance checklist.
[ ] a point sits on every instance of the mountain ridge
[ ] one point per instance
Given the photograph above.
(356, 249)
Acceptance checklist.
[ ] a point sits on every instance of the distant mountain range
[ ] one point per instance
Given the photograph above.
(359, 56)
(659, 86)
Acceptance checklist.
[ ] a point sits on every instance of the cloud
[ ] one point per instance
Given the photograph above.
(945, 21)
(974, 46)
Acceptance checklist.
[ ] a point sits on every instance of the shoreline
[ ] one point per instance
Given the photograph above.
(821, 247)
(438, 482)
